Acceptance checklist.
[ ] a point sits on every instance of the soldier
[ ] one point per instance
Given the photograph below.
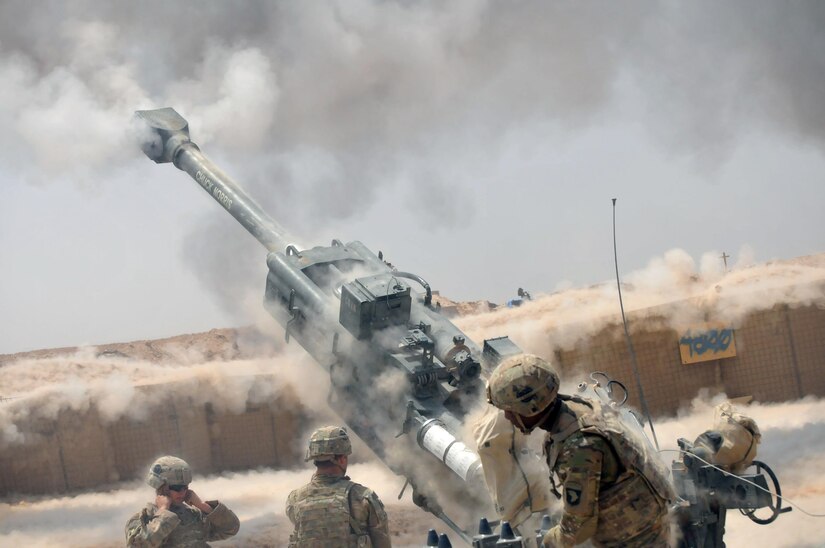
(615, 492)
(332, 511)
(178, 517)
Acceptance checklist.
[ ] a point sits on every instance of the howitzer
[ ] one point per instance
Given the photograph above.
(707, 492)
(360, 319)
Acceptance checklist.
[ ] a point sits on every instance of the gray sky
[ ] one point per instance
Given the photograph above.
(477, 144)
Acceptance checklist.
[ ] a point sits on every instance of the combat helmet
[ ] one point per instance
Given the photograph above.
(523, 384)
(328, 441)
(169, 470)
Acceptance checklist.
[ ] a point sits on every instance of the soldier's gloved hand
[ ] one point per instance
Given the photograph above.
(553, 538)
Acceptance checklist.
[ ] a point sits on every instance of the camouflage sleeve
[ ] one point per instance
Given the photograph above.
(290, 507)
(221, 521)
(579, 467)
(367, 509)
(148, 528)
(378, 523)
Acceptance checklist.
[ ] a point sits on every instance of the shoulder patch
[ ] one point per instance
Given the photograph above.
(572, 495)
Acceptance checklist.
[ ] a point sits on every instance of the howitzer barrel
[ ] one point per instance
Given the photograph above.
(168, 141)
(357, 318)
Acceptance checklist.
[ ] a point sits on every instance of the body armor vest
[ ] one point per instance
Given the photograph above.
(639, 497)
(324, 517)
(633, 450)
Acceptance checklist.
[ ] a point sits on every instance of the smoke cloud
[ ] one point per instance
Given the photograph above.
(377, 87)
(317, 104)
(120, 387)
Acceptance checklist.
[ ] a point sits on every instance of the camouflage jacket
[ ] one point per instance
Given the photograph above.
(181, 526)
(332, 511)
(609, 497)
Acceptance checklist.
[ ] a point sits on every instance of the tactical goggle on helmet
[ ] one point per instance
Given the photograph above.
(328, 441)
(523, 384)
(169, 470)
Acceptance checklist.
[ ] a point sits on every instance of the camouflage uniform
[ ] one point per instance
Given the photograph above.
(332, 511)
(616, 491)
(614, 494)
(180, 526)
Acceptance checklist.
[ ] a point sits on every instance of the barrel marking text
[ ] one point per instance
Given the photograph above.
(213, 189)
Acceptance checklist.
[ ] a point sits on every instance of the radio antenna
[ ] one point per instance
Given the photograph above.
(633, 362)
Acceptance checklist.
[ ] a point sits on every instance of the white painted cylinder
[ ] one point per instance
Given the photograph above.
(459, 458)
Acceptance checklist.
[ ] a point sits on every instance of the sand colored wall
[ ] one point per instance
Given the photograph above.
(780, 356)
(33, 468)
(79, 450)
(807, 330)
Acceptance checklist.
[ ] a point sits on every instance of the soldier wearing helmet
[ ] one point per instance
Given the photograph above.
(615, 493)
(331, 510)
(178, 517)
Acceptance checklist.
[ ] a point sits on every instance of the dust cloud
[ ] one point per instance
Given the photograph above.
(793, 441)
(122, 387)
(793, 444)
(670, 289)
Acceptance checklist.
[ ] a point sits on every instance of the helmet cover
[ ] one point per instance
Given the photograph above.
(523, 384)
(169, 470)
(327, 442)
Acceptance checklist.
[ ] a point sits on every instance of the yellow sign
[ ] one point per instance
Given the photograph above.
(707, 343)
